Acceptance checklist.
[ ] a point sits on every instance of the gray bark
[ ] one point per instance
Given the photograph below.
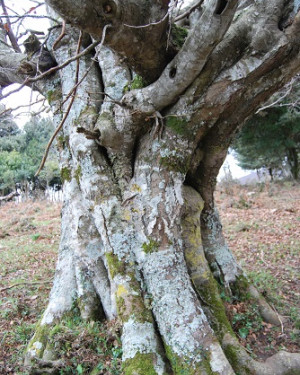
(141, 237)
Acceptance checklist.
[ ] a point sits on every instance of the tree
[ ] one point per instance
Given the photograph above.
(21, 153)
(142, 139)
(271, 139)
(7, 124)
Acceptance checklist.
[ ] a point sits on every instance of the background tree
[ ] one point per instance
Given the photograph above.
(21, 152)
(7, 124)
(270, 140)
(147, 113)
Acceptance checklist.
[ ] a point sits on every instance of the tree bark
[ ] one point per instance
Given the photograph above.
(141, 237)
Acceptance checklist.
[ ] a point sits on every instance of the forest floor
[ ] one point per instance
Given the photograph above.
(262, 226)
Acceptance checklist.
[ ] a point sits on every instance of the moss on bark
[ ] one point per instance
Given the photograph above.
(65, 174)
(186, 366)
(141, 364)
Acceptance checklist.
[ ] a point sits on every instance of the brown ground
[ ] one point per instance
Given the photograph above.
(262, 226)
(29, 235)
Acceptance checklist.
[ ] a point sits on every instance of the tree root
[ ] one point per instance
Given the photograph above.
(242, 287)
(281, 363)
(43, 367)
(266, 311)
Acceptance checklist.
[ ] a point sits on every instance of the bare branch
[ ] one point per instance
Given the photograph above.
(22, 106)
(282, 95)
(67, 112)
(29, 80)
(189, 11)
(10, 34)
(29, 16)
(73, 92)
(148, 24)
(25, 283)
(62, 34)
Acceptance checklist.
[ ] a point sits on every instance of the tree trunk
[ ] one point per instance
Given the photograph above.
(293, 162)
(141, 237)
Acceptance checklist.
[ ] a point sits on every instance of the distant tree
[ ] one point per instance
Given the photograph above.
(271, 140)
(22, 151)
(7, 124)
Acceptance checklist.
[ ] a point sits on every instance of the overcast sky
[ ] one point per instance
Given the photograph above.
(24, 96)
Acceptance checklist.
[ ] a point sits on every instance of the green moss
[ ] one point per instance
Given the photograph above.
(150, 247)
(186, 366)
(232, 355)
(178, 35)
(41, 337)
(126, 88)
(53, 95)
(65, 174)
(88, 111)
(78, 174)
(177, 124)
(115, 265)
(62, 142)
(209, 293)
(130, 304)
(141, 364)
(133, 307)
(128, 296)
(173, 163)
(240, 288)
(137, 83)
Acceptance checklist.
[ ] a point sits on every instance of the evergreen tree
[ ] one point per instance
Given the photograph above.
(271, 140)
(7, 124)
(21, 153)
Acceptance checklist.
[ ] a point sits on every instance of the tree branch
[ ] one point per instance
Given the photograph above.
(73, 94)
(146, 52)
(187, 64)
(25, 283)
(10, 33)
(189, 11)
(29, 80)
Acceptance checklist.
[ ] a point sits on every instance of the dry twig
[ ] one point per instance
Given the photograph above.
(25, 283)
(72, 93)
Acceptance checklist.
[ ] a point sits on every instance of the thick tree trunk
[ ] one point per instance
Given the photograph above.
(141, 238)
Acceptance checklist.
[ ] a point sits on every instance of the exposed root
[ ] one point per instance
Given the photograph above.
(282, 363)
(266, 311)
(243, 287)
(46, 367)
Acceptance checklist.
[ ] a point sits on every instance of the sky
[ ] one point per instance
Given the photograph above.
(25, 96)
(231, 165)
